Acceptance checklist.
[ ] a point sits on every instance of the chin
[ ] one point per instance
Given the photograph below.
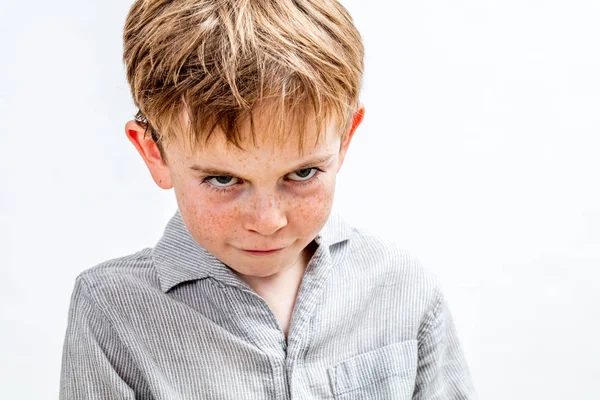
(258, 272)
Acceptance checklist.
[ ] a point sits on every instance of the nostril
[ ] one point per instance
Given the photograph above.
(266, 223)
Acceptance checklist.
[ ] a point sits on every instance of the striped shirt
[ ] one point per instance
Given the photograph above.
(173, 322)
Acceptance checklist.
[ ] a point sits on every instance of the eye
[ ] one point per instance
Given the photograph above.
(222, 181)
(302, 174)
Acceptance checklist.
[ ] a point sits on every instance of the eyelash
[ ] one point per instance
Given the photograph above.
(229, 189)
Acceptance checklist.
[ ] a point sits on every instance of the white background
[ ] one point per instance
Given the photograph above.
(479, 154)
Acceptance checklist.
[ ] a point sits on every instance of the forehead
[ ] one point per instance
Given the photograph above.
(264, 141)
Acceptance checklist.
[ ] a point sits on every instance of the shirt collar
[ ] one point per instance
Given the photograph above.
(179, 258)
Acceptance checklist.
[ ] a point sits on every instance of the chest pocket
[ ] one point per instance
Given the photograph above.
(385, 373)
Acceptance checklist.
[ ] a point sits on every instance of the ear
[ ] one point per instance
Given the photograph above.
(150, 153)
(357, 118)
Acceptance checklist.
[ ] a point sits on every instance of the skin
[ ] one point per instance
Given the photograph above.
(268, 196)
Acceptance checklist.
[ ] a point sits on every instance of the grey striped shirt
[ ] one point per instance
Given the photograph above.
(173, 322)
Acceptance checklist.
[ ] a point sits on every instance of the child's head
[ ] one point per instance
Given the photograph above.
(251, 106)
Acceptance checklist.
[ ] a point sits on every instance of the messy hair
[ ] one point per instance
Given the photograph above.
(216, 61)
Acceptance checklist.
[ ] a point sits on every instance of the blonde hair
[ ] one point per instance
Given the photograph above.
(216, 61)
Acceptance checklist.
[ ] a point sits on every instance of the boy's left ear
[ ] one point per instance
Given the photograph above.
(357, 118)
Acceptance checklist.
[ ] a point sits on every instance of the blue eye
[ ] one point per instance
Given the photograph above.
(222, 181)
(302, 174)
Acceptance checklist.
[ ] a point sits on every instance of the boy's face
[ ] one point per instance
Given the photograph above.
(255, 209)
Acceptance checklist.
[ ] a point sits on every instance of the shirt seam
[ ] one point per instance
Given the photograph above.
(431, 319)
(93, 297)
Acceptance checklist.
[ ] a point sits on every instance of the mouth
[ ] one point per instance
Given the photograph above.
(261, 252)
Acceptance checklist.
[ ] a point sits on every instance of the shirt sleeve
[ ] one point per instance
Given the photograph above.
(94, 359)
(442, 372)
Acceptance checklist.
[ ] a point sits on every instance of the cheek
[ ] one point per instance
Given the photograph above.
(208, 220)
(311, 212)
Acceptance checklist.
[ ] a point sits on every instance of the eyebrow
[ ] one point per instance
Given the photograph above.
(311, 162)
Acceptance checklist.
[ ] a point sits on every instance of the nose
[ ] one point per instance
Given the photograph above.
(265, 215)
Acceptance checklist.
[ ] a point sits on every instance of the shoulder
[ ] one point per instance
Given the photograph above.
(388, 264)
(120, 276)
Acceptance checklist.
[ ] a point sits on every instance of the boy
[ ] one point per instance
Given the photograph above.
(247, 110)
